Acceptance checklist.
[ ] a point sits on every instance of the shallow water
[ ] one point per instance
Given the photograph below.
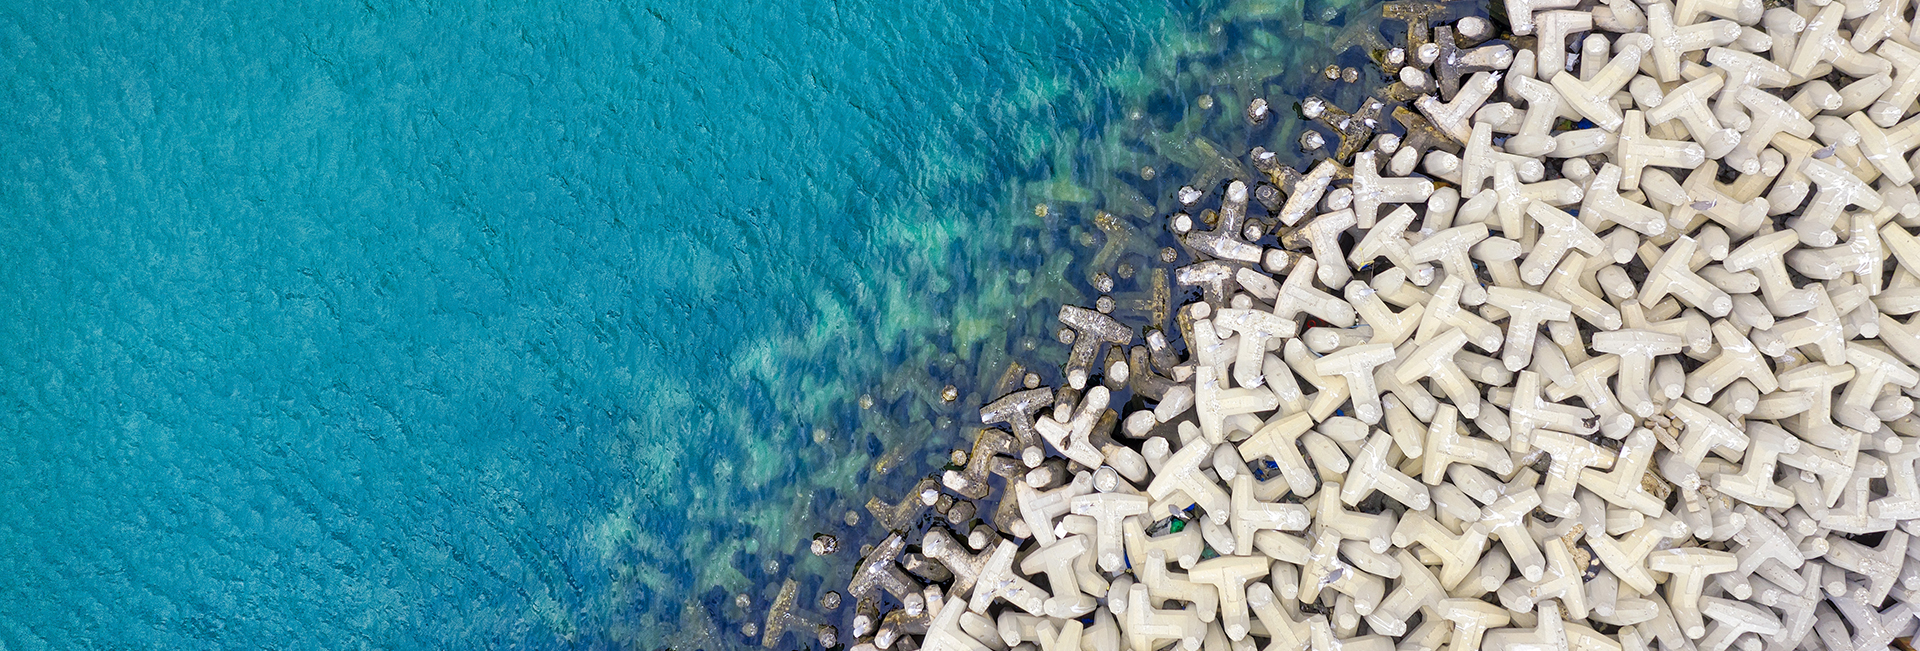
(419, 325)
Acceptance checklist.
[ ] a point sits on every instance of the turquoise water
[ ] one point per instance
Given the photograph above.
(456, 324)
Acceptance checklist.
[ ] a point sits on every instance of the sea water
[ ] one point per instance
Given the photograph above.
(545, 325)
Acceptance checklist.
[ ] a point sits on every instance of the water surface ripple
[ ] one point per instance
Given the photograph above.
(472, 324)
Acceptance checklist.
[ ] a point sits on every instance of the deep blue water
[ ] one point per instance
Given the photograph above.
(461, 324)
